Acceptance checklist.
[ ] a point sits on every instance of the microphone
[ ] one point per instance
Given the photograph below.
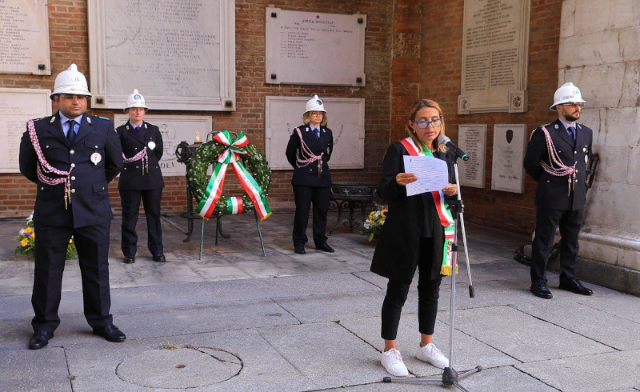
(442, 139)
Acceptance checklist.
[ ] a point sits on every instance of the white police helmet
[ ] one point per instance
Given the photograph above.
(135, 100)
(70, 81)
(565, 94)
(314, 105)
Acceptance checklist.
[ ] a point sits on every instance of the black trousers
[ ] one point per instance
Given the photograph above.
(547, 221)
(92, 243)
(428, 294)
(151, 200)
(304, 197)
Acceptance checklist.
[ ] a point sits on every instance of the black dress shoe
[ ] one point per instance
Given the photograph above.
(40, 339)
(299, 249)
(325, 247)
(159, 258)
(129, 259)
(111, 333)
(574, 286)
(541, 290)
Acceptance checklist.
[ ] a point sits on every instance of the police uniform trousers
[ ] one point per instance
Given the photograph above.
(92, 243)
(547, 220)
(320, 197)
(151, 200)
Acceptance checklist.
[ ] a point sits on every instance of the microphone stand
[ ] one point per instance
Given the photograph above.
(449, 376)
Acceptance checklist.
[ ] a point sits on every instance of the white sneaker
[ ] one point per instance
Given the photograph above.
(392, 362)
(430, 353)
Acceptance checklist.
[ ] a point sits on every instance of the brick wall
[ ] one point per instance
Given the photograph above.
(412, 49)
(69, 43)
(440, 80)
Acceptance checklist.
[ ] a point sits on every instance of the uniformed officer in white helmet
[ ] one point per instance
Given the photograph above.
(71, 157)
(308, 151)
(141, 179)
(562, 189)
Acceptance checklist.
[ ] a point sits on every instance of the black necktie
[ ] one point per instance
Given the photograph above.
(71, 133)
(572, 132)
(318, 133)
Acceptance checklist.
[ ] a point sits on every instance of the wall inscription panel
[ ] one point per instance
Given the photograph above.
(17, 106)
(346, 121)
(24, 37)
(494, 56)
(472, 139)
(507, 173)
(314, 48)
(174, 129)
(180, 54)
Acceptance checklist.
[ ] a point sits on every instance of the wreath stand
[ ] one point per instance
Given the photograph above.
(219, 230)
(227, 148)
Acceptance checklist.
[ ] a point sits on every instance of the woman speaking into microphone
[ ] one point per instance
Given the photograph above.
(415, 235)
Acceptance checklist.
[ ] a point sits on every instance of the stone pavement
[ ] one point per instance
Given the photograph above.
(237, 321)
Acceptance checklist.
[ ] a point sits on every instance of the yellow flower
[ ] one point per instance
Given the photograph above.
(28, 230)
(24, 242)
(384, 212)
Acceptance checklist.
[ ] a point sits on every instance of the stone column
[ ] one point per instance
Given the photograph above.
(600, 53)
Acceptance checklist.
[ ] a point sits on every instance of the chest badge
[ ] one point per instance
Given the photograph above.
(96, 158)
(151, 145)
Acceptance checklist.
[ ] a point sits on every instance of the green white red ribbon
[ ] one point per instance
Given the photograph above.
(213, 192)
(234, 206)
(446, 219)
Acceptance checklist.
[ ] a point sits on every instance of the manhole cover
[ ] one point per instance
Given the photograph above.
(180, 367)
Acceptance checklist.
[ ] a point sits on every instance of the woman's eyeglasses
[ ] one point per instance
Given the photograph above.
(423, 124)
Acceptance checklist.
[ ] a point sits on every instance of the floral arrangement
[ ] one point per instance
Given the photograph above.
(373, 225)
(27, 242)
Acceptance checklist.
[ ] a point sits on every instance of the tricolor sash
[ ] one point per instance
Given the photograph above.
(446, 219)
(231, 155)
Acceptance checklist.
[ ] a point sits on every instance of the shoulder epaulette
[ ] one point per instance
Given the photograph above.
(51, 119)
(101, 117)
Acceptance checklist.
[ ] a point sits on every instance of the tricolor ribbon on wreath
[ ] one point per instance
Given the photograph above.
(446, 219)
(231, 155)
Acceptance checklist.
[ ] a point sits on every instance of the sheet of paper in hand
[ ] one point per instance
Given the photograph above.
(432, 174)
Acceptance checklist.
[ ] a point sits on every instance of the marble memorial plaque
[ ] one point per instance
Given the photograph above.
(507, 173)
(17, 106)
(346, 121)
(180, 54)
(472, 139)
(314, 48)
(24, 42)
(174, 129)
(495, 46)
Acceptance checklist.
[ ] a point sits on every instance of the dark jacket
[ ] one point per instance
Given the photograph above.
(131, 177)
(90, 203)
(397, 250)
(552, 191)
(308, 175)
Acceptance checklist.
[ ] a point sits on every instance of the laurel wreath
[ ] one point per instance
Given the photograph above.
(207, 154)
